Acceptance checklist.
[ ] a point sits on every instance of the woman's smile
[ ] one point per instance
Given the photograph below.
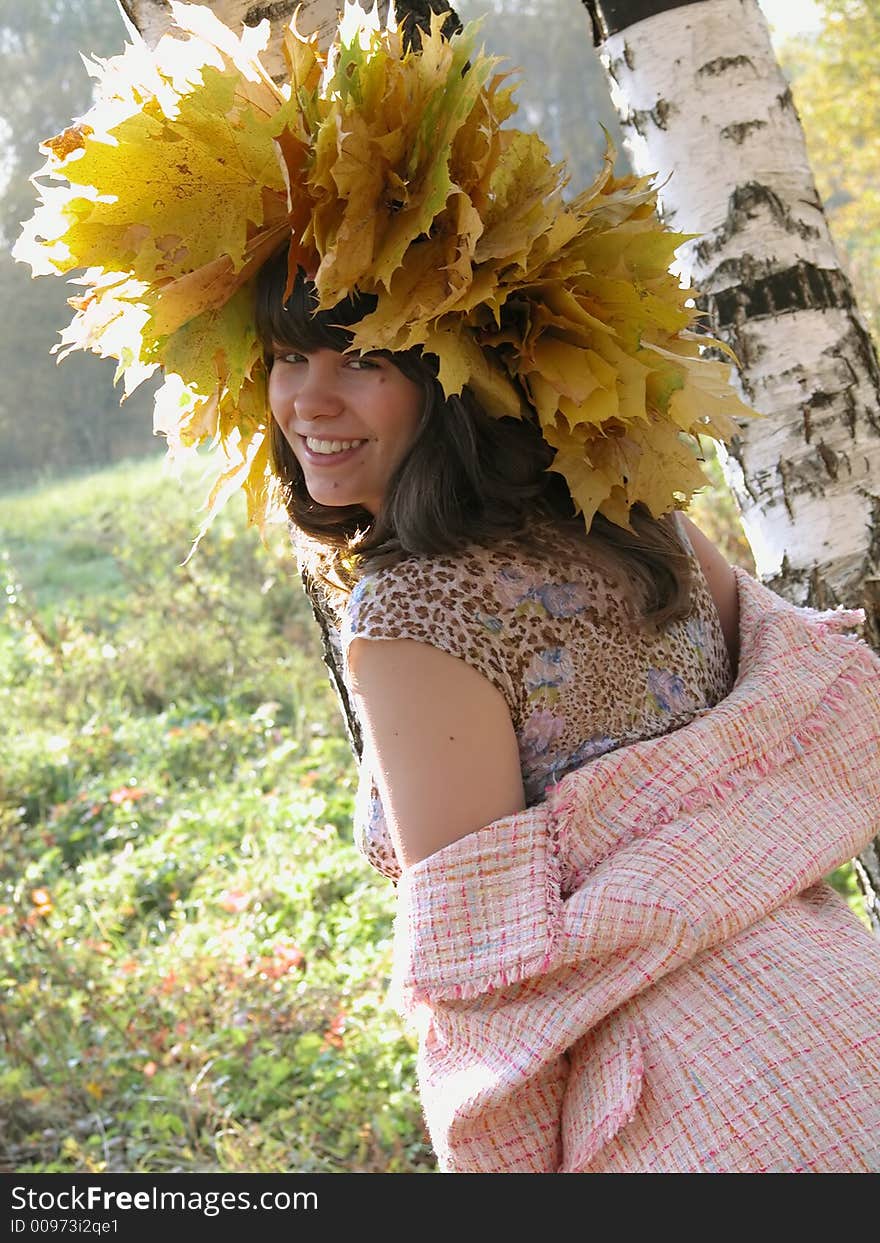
(321, 452)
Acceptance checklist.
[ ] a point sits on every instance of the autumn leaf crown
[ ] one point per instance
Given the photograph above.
(389, 173)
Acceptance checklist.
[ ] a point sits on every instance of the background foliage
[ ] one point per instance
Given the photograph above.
(837, 90)
(52, 418)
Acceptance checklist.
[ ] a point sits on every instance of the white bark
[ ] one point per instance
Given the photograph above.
(705, 104)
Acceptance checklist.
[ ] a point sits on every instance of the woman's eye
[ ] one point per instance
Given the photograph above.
(288, 356)
(363, 362)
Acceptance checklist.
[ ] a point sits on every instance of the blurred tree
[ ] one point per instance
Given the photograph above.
(44, 85)
(837, 92)
(50, 419)
(563, 92)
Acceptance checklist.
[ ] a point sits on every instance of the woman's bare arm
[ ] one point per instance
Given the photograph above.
(440, 741)
(722, 584)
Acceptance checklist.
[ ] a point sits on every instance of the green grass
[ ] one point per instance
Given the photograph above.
(197, 958)
(60, 536)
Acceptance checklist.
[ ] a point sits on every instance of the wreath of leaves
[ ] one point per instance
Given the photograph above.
(391, 173)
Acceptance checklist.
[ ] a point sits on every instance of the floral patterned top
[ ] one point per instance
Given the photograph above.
(560, 641)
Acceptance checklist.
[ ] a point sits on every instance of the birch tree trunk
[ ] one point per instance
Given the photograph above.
(704, 103)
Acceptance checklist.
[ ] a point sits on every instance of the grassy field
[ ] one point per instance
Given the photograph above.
(196, 958)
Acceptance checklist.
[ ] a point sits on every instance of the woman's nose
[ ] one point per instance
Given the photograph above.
(316, 396)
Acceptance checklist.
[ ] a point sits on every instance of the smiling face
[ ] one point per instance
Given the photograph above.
(350, 419)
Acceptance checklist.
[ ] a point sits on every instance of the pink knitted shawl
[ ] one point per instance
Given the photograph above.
(644, 972)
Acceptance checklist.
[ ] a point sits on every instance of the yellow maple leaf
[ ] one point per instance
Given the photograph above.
(588, 482)
(667, 470)
(462, 362)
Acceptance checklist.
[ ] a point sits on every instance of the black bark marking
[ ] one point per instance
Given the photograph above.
(659, 114)
(332, 660)
(275, 12)
(820, 595)
(856, 354)
(788, 477)
(814, 202)
(872, 561)
(816, 403)
(721, 64)
(629, 57)
(870, 601)
(743, 270)
(803, 287)
(829, 458)
(735, 449)
(597, 23)
(785, 100)
(807, 416)
(847, 392)
(820, 400)
(609, 17)
(414, 16)
(738, 132)
(867, 865)
(745, 203)
(864, 351)
(792, 584)
(808, 476)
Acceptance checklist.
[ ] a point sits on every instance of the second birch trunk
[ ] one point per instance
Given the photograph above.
(704, 104)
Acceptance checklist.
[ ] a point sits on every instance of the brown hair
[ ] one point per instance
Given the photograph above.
(468, 478)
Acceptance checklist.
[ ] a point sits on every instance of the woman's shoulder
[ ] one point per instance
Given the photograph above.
(447, 601)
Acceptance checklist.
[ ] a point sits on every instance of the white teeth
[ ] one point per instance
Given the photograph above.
(331, 446)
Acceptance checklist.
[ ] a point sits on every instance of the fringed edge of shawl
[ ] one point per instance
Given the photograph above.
(446, 881)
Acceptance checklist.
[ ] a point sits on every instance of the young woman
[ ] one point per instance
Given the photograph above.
(607, 771)
(517, 644)
(595, 989)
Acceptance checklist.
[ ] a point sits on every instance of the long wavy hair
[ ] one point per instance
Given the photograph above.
(468, 478)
